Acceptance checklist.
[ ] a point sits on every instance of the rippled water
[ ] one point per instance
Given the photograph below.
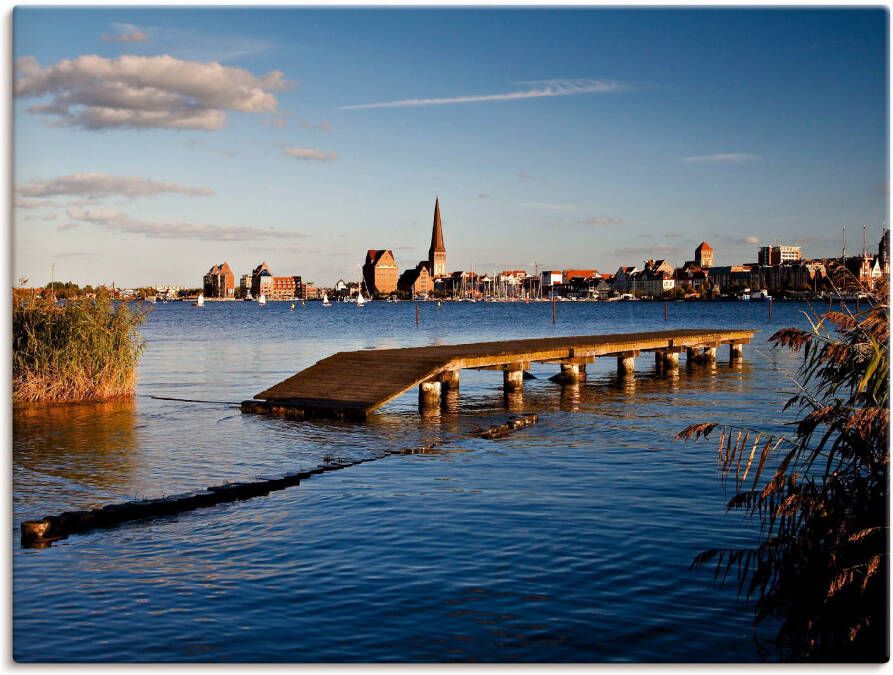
(568, 541)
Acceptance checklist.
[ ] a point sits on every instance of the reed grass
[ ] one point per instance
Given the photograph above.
(79, 350)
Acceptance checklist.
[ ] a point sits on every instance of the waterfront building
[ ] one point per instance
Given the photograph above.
(244, 285)
(622, 278)
(219, 282)
(261, 280)
(883, 253)
(704, 255)
(380, 272)
(550, 278)
(437, 251)
(416, 281)
(285, 288)
(568, 276)
(775, 255)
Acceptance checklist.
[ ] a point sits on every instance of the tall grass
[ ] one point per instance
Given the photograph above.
(822, 568)
(82, 350)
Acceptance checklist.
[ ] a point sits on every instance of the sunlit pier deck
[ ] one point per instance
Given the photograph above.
(353, 384)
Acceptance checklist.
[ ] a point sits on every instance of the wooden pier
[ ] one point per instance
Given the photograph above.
(350, 385)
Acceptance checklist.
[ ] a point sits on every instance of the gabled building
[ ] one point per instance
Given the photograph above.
(219, 282)
(704, 255)
(622, 278)
(416, 281)
(380, 272)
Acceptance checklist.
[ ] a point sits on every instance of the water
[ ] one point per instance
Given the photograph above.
(568, 541)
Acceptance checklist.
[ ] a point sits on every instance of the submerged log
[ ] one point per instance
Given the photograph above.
(512, 425)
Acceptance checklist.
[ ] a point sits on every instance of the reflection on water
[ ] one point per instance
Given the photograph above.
(93, 444)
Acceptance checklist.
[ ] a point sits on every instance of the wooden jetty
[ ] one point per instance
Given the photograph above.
(350, 385)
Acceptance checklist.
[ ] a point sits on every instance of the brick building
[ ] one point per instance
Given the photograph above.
(416, 281)
(380, 272)
(219, 282)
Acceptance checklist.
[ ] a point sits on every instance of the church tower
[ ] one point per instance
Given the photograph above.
(437, 252)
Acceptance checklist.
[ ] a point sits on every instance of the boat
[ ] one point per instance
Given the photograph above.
(361, 301)
(760, 295)
(325, 300)
(199, 301)
(262, 299)
(292, 308)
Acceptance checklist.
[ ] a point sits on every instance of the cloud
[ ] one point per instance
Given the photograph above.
(526, 176)
(116, 221)
(68, 226)
(550, 207)
(602, 220)
(536, 89)
(143, 92)
(722, 158)
(125, 32)
(26, 203)
(483, 195)
(45, 219)
(104, 185)
(310, 154)
(750, 240)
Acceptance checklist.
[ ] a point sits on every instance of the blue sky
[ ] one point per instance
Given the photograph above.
(151, 144)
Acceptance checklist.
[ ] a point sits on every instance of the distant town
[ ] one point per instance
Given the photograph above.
(780, 271)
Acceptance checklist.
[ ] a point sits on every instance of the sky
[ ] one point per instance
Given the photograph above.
(150, 144)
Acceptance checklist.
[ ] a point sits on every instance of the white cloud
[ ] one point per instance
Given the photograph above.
(321, 126)
(537, 89)
(103, 185)
(27, 203)
(751, 240)
(125, 32)
(309, 154)
(722, 158)
(116, 221)
(138, 92)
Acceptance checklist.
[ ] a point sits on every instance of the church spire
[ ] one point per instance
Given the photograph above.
(437, 232)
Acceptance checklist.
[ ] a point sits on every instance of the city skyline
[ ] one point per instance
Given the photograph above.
(151, 143)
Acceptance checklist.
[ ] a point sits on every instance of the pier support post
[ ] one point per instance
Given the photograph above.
(429, 396)
(570, 373)
(512, 380)
(660, 359)
(671, 360)
(626, 363)
(449, 380)
(690, 355)
(736, 351)
(709, 354)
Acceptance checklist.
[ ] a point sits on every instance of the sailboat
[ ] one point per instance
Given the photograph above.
(292, 308)
(325, 300)
(199, 301)
(262, 300)
(361, 301)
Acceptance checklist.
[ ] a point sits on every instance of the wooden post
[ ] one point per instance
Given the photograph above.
(736, 351)
(690, 356)
(626, 363)
(710, 353)
(671, 360)
(429, 395)
(666, 311)
(770, 309)
(570, 373)
(553, 309)
(417, 314)
(512, 380)
(449, 380)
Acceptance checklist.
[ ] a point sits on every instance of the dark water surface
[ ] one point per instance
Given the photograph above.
(567, 541)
